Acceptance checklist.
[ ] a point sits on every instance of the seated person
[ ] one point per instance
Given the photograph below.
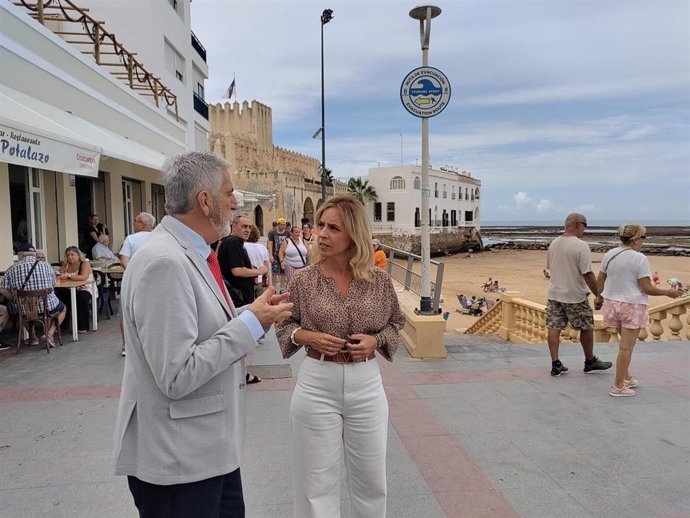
(4, 317)
(462, 300)
(77, 268)
(29, 274)
(102, 251)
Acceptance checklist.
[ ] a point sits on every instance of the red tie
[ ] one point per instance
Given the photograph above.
(215, 270)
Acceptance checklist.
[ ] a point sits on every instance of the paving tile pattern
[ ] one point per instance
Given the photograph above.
(484, 433)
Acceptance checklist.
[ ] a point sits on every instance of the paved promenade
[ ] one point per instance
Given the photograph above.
(484, 433)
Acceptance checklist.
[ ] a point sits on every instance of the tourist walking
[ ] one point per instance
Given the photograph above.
(275, 240)
(293, 254)
(181, 418)
(572, 280)
(346, 315)
(625, 283)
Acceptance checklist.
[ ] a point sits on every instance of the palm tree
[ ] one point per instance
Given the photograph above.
(361, 190)
(330, 181)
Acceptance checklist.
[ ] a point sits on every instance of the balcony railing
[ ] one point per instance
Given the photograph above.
(75, 26)
(196, 44)
(200, 106)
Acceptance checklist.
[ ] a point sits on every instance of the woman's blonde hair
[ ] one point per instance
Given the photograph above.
(69, 249)
(357, 227)
(631, 231)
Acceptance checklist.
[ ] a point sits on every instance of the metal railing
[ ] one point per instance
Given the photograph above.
(200, 106)
(404, 270)
(196, 44)
(105, 49)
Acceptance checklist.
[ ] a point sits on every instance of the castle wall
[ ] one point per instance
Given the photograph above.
(244, 137)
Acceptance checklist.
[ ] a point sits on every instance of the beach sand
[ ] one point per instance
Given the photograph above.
(521, 270)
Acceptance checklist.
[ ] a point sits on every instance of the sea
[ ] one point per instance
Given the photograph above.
(672, 236)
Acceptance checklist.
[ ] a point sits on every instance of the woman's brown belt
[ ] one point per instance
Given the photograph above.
(341, 357)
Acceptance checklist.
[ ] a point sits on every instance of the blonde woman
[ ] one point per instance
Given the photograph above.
(345, 315)
(76, 267)
(625, 283)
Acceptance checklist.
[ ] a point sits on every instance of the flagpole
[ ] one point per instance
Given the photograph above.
(234, 90)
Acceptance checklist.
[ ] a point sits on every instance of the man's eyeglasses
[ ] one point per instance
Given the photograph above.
(583, 223)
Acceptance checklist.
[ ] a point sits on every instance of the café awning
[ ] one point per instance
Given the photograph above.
(37, 134)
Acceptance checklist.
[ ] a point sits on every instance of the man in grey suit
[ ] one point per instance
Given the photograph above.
(181, 419)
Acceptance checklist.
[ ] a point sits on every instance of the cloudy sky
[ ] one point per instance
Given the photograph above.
(557, 105)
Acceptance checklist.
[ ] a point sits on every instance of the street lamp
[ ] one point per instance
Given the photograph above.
(424, 13)
(326, 17)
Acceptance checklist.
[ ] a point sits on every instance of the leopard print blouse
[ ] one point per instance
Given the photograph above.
(370, 307)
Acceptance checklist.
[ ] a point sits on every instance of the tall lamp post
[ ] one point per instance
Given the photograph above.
(424, 13)
(326, 17)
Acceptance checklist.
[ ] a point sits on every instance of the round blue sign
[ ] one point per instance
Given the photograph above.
(425, 92)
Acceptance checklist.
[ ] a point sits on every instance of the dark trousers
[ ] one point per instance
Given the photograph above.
(217, 497)
(83, 302)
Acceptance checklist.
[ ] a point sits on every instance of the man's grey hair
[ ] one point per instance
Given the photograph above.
(148, 219)
(188, 174)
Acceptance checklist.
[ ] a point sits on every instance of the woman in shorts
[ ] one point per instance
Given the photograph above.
(625, 283)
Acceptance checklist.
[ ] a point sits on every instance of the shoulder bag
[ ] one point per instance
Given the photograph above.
(304, 263)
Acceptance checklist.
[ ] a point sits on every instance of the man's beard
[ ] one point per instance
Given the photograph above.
(218, 223)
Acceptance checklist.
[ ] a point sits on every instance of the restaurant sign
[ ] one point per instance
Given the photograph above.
(28, 149)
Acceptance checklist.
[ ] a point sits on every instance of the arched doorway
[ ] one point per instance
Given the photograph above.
(259, 219)
(309, 210)
(318, 204)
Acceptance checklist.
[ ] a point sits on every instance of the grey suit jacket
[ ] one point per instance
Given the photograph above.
(181, 416)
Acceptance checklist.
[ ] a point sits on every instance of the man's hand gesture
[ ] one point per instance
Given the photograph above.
(270, 308)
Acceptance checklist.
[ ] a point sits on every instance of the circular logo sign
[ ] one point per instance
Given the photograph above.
(425, 92)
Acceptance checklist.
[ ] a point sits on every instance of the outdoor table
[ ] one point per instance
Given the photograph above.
(73, 285)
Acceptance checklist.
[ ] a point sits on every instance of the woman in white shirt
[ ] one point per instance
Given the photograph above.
(625, 283)
(258, 256)
(293, 254)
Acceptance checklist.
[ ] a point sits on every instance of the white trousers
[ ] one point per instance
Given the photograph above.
(339, 411)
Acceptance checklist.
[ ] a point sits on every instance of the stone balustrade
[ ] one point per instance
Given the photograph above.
(522, 321)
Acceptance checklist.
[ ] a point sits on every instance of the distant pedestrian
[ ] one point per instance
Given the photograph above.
(380, 260)
(275, 240)
(624, 282)
(570, 263)
(293, 254)
(143, 225)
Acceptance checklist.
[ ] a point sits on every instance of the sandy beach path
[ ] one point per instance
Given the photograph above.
(521, 270)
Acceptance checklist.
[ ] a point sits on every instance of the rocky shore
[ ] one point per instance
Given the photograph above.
(671, 241)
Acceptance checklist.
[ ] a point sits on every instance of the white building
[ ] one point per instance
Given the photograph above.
(160, 32)
(87, 121)
(454, 199)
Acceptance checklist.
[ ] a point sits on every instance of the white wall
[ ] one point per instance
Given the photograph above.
(143, 27)
(38, 63)
(408, 199)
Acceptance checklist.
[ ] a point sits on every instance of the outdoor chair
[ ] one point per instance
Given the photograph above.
(103, 294)
(28, 304)
(115, 278)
